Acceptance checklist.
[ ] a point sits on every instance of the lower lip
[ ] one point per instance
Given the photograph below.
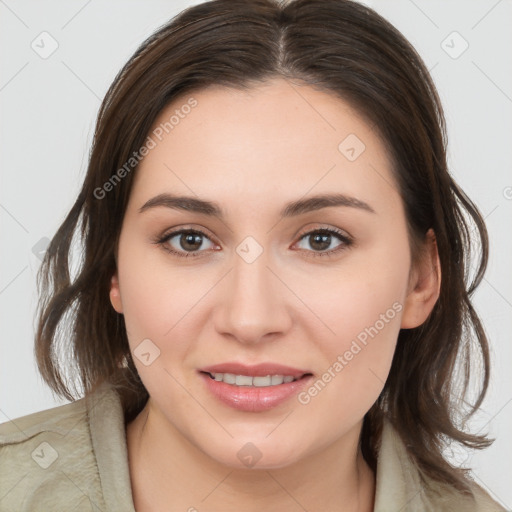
(252, 398)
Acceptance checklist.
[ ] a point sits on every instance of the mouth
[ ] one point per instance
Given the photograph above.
(254, 381)
(253, 388)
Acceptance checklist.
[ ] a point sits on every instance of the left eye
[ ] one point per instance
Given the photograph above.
(320, 241)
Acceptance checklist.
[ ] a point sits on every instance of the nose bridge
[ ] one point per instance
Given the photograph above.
(255, 304)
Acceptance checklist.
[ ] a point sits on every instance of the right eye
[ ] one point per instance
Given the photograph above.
(184, 242)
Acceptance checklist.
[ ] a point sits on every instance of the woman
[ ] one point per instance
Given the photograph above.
(272, 297)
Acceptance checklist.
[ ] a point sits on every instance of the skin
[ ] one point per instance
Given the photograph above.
(252, 152)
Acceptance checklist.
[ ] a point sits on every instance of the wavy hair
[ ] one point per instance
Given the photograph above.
(337, 46)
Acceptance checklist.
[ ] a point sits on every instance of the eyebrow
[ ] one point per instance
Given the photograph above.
(292, 209)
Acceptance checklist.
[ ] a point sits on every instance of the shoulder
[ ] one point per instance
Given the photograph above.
(440, 497)
(484, 503)
(57, 419)
(47, 461)
(401, 483)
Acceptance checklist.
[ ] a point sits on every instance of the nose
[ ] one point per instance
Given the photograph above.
(255, 303)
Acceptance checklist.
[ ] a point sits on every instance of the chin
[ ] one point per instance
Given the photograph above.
(253, 456)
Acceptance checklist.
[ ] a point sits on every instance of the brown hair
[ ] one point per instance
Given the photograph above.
(337, 46)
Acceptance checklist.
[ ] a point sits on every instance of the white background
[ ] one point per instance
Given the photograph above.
(48, 108)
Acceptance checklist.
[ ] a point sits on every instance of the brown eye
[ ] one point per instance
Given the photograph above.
(325, 241)
(185, 242)
(190, 241)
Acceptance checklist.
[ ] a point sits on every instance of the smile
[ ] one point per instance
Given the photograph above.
(253, 393)
(248, 380)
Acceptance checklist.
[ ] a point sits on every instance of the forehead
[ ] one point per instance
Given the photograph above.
(277, 137)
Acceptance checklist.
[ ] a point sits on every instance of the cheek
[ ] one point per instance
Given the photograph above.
(357, 360)
(367, 290)
(157, 303)
(153, 298)
(155, 292)
(364, 318)
(363, 309)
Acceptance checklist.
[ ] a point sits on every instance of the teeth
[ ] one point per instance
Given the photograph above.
(229, 378)
(276, 380)
(247, 380)
(267, 381)
(243, 380)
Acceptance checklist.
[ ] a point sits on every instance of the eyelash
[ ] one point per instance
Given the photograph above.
(345, 239)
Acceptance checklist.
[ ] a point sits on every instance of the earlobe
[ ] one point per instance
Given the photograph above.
(115, 295)
(425, 286)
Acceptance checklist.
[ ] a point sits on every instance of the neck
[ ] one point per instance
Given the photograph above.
(167, 470)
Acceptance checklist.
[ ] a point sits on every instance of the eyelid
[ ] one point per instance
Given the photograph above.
(171, 233)
(345, 238)
(174, 231)
(322, 227)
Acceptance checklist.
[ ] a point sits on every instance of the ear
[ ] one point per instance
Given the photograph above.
(424, 285)
(115, 295)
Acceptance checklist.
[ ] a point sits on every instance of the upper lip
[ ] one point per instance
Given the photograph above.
(258, 370)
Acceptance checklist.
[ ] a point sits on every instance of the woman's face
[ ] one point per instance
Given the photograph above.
(256, 281)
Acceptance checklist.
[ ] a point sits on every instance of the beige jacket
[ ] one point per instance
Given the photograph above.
(74, 458)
